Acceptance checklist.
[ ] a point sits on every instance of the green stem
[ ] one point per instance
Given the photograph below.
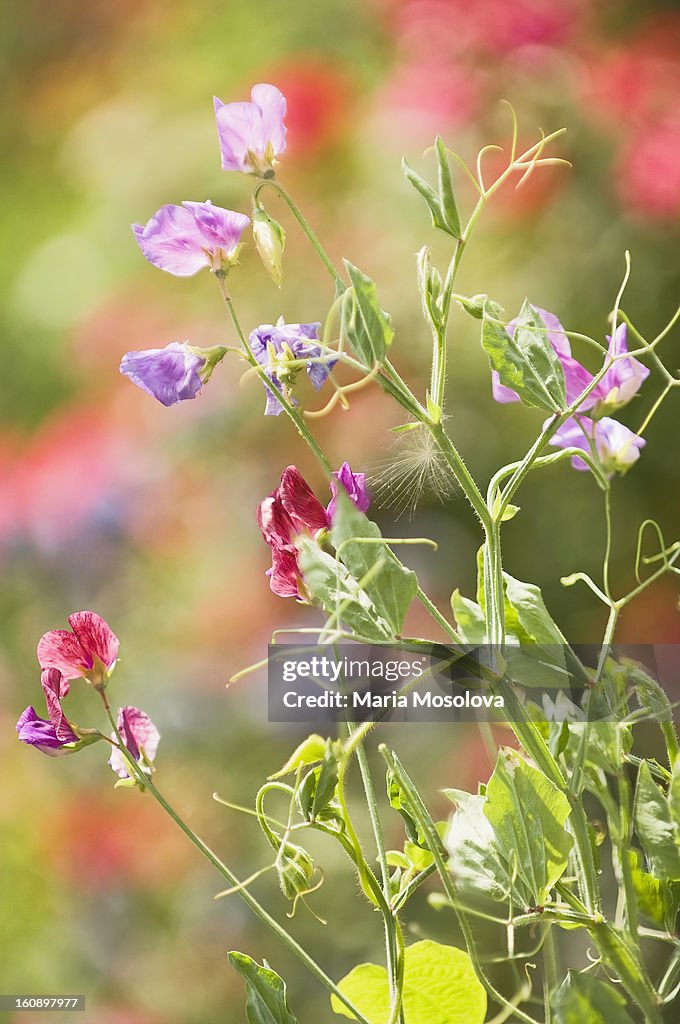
(295, 948)
(393, 939)
(306, 227)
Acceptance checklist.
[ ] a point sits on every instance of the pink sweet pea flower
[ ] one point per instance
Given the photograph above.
(184, 239)
(90, 651)
(140, 737)
(355, 486)
(252, 135)
(613, 444)
(625, 377)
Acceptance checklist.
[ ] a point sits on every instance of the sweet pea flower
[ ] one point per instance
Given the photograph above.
(291, 511)
(618, 385)
(355, 486)
(615, 446)
(184, 239)
(576, 377)
(278, 346)
(54, 734)
(170, 374)
(140, 737)
(252, 135)
(89, 650)
(625, 377)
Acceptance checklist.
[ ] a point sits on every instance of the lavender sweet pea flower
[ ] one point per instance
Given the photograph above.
(355, 486)
(141, 739)
(184, 239)
(252, 135)
(170, 374)
(576, 377)
(625, 377)
(616, 447)
(277, 346)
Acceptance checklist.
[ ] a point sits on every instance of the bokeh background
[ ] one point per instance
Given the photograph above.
(109, 501)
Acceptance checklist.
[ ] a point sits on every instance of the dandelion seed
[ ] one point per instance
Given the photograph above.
(415, 466)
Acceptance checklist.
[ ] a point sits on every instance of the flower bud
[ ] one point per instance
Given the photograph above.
(295, 869)
(270, 239)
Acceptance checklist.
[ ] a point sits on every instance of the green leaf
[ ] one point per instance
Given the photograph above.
(440, 987)
(368, 328)
(329, 582)
(469, 619)
(390, 585)
(584, 999)
(526, 362)
(266, 1001)
(310, 751)
(527, 813)
(318, 786)
(528, 616)
(477, 305)
(656, 829)
(394, 794)
(441, 203)
(657, 900)
(447, 200)
(476, 862)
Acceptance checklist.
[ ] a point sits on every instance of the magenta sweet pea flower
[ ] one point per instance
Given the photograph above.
(291, 511)
(613, 444)
(140, 737)
(355, 486)
(252, 135)
(625, 377)
(54, 734)
(184, 239)
(170, 374)
(278, 346)
(90, 651)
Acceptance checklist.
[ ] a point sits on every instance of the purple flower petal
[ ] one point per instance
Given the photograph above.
(613, 444)
(39, 733)
(184, 239)
(168, 374)
(355, 486)
(252, 135)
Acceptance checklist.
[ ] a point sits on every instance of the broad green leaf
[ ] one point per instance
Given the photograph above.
(656, 829)
(526, 362)
(390, 585)
(339, 593)
(531, 621)
(266, 1001)
(310, 751)
(527, 813)
(476, 862)
(368, 328)
(469, 619)
(657, 900)
(440, 987)
(584, 999)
